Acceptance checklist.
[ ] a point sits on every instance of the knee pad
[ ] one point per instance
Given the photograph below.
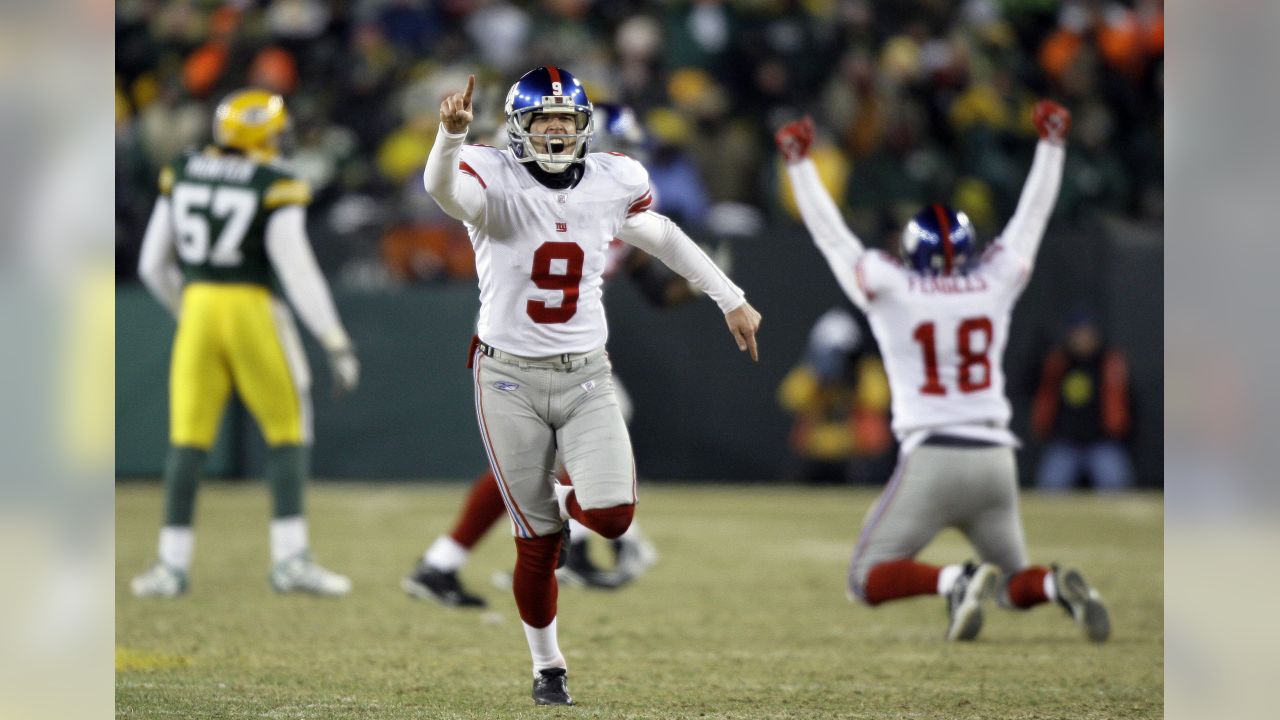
(854, 594)
(610, 522)
(855, 586)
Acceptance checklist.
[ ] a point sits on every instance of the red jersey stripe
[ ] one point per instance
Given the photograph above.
(862, 281)
(472, 172)
(641, 205)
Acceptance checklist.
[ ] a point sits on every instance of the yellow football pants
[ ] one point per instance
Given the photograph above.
(237, 335)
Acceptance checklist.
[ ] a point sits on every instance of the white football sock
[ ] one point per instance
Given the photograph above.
(177, 546)
(562, 499)
(288, 537)
(578, 532)
(446, 555)
(948, 577)
(543, 647)
(1050, 587)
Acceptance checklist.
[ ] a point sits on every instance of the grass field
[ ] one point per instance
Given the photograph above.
(744, 617)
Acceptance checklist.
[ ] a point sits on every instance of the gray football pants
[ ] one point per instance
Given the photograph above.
(974, 490)
(528, 408)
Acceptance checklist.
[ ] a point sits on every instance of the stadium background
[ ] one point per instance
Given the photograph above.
(918, 101)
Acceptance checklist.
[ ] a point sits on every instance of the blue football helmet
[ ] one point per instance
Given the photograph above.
(939, 241)
(620, 127)
(548, 90)
(620, 131)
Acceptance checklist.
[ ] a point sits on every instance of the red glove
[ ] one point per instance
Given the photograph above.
(794, 139)
(1052, 121)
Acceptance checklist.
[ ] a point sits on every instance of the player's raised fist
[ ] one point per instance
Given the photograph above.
(1052, 121)
(455, 111)
(795, 138)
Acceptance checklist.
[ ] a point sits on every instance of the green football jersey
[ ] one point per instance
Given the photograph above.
(221, 203)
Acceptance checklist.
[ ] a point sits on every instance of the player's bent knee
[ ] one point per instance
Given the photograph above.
(610, 522)
(856, 594)
(856, 591)
(855, 587)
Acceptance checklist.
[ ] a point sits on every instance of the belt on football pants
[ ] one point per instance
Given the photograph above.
(564, 362)
(953, 441)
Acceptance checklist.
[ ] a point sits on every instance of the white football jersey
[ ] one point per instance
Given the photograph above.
(615, 258)
(541, 254)
(943, 339)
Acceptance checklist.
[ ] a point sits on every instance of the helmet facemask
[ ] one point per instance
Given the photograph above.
(560, 149)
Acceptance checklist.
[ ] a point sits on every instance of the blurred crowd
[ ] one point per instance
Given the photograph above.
(917, 99)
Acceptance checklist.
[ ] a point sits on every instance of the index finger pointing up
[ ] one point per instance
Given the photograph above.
(466, 95)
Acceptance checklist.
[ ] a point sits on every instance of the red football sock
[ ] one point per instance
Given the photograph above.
(1026, 587)
(481, 510)
(900, 579)
(534, 580)
(609, 522)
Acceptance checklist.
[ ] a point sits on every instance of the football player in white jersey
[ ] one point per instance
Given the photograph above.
(541, 214)
(941, 317)
(436, 574)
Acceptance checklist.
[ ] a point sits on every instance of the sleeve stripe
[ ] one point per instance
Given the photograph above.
(287, 192)
(641, 205)
(166, 180)
(472, 172)
(862, 281)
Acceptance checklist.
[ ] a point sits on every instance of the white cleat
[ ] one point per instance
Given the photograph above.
(302, 574)
(636, 553)
(1082, 603)
(964, 604)
(161, 581)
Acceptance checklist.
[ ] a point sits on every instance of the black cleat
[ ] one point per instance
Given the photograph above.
(551, 687)
(635, 553)
(1082, 603)
(964, 604)
(429, 583)
(580, 571)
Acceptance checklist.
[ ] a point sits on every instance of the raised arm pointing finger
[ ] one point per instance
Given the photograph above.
(455, 111)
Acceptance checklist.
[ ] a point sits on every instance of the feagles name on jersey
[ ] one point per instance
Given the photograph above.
(541, 253)
(943, 341)
(949, 285)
